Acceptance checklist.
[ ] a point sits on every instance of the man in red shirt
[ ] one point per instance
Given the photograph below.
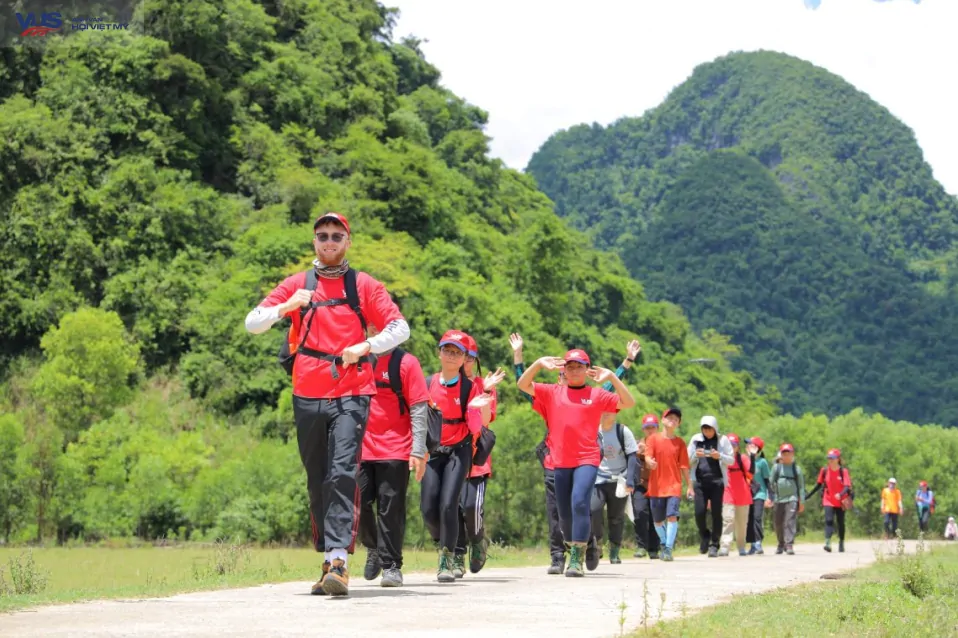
(393, 446)
(668, 462)
(332, 383)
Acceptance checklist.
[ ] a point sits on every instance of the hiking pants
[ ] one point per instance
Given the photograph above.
(330, 435)
(786, 523)
(574, 500)
(891, 523)
(645, 535)
(441, 488)
(383, 484)
(604, 495)
(833, 515)
(556, 546)
(706, 493)
(734, 520)
(924, 517)
(756, 522)
(472, 527)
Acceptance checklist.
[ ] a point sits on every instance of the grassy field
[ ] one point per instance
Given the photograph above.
(900, 596)
(59, 575)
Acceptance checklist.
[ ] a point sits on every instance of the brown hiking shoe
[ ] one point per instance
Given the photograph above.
(317, 589)
(336, 582)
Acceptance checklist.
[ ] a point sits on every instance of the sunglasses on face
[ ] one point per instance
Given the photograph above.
(334, 237)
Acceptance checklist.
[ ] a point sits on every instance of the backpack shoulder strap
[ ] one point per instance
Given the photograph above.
(465, 389)
(620, 433)
(352, 296)
(395, 377)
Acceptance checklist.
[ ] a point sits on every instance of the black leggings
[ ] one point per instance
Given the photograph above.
(441, 487)
(831, 515)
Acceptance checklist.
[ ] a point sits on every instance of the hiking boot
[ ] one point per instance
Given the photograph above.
(828, 546)
(640, 553)
(713, 552)
(392, 577)
(336, 582)
(752, 551)
(444, 574)
(653, 556)
(723, 552)
(841, 547)
(758, 549)
(374, 565)
(591, 556)
(575, 562)
(558, 564)
(703, 546)
(477, 555)
(458, 565)
(780, 549)
(317, 589)
(667, 554)
(789, 550)
(614, 555)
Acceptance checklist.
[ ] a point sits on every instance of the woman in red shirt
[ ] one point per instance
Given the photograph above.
(736, 500)
(449, 465)
(836, 485)
(572, 413)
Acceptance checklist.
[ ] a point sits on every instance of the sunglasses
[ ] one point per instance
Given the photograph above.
(335, 237)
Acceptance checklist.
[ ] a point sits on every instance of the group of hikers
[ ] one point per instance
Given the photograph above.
(367, 417)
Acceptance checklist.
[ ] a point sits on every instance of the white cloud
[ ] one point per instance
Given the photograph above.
(540, 66)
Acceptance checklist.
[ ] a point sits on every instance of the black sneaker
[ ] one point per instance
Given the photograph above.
(374, 565)
(591, 555)
(841, 547)
(477, 555)
(653, 555)
(703, 547)
(713, 552)
(392, 577)
(557, 566)
(780, 549)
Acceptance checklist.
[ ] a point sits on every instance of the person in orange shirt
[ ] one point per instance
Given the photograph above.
(668, 460)
(891, 507)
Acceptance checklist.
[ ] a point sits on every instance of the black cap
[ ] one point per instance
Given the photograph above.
(673, 410)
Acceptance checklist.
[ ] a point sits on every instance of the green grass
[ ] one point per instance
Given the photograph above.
(60, 575)
(899, 596)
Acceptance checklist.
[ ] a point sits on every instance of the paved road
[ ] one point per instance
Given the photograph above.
(517, 602)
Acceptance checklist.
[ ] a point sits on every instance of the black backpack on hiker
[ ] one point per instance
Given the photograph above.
(286, 357)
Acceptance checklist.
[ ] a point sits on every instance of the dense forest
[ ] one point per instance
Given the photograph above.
(828, 258)
(144, 219)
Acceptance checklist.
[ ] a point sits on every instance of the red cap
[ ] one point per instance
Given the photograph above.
(579, 356)
(834, 453)
(757, 441)
(455, 338)
(332, 217)
(786, 447)
(733, 439)
(923, 483)
(650, 421)
(472, 348)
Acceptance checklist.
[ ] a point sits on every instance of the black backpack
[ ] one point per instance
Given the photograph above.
(620, 434)
(395, 378)
(286, 358)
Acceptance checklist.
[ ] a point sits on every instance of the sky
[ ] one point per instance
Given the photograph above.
(538, 67)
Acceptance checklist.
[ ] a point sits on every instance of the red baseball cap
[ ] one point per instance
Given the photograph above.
(757, 441)
(579, 356)
(332, 217)
(786, 447)
(650, 421)
(733, 439)
(455, 338)
(472, 348)
(834, 453)
(923, 483)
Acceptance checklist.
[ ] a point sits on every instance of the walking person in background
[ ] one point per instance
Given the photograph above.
(891, 507)
(736, 500)
(617, 465)
(331, 306)
(394, 445)
(646, 538)
(465, 410)
(836, 484)
(710, 454)
(925, 500)
(668, 461)
(760, 479)
(572, 412)
(787, 486)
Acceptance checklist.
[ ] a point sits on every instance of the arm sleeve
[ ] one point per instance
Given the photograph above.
(630, 472)
(815, 489)
(262, 317)
(619, 372)
(417, 414)
(520, 368)
(693, 460)
(801, 486)
(395, 333)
